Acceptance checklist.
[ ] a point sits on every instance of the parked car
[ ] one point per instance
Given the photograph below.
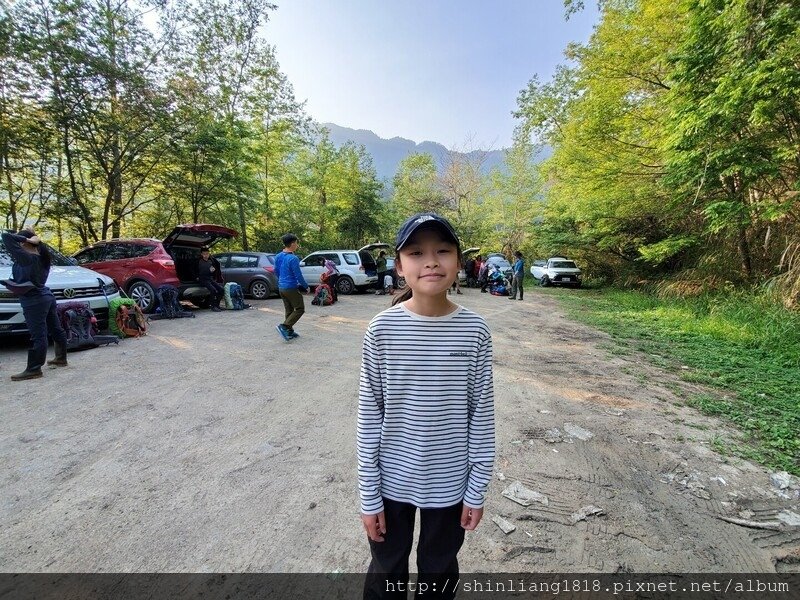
(68, 282)
(557, 271)
(254, 271)
(495, 258)
(357, 268)
(141, 266)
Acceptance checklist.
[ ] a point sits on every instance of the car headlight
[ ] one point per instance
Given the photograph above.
(110, 288)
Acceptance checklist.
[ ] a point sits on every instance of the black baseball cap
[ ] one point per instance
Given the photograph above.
(205, 249)
(425, 221)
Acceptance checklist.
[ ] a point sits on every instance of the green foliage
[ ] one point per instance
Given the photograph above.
(743, 345)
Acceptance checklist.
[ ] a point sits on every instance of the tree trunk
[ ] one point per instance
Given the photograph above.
(242, 224)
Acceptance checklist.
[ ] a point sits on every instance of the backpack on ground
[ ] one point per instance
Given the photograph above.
(169, 307)
(80, 325)
(234, 297)
(126, 318)
(323, 296)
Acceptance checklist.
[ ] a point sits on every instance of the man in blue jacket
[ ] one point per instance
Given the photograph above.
(519, 276)
(290, 285)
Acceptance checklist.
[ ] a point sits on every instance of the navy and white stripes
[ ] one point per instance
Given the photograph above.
(425, 410)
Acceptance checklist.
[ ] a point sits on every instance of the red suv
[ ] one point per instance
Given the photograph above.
(140, 266)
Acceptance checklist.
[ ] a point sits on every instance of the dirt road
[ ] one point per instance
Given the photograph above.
(212, 445)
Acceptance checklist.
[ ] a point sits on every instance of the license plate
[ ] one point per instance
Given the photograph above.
(5, 326)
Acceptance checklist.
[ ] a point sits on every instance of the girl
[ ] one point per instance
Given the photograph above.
(425, 416)
(29, 275)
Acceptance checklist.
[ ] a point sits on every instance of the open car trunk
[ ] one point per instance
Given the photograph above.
(185, 241)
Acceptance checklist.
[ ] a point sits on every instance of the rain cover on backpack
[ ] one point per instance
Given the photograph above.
(234, 296)
(126, 319)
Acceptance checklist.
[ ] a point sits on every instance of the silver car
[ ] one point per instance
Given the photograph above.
(67, 281)
(357, 268)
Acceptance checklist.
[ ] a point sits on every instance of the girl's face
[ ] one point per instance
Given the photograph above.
(428, 263)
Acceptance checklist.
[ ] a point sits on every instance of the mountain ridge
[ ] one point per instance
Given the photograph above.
(388, 153)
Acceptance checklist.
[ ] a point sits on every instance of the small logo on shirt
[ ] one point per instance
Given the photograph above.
(459, 354)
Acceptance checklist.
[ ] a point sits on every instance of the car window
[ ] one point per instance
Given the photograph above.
(223, 259)
(564, 264)
(334, 258)
(90, 254)
(241, 261)
(138, 250)
(270, 259)
(118, 251)
(56, 258)
(351, 258)
(315, 260)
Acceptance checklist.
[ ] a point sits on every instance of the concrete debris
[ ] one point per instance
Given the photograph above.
(719, 480)
(586, 511)
(578, 432)
(500, 476)
(783, 480)
(547, 412)
(504, 525)
(524, 496)
(771, 525)
(792, 519)
(553, 436)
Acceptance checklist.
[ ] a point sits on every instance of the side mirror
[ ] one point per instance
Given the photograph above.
(302, 263)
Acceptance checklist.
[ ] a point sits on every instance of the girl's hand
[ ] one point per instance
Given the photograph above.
(470, 517)
(375, 526)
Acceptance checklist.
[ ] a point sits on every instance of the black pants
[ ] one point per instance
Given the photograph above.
(440, 539)
(379, 283)
(332, 281)
(216, 290)
(41, 318)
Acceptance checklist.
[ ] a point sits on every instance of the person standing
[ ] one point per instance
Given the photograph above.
(28, 278)
(425, 436)
(483, 276)
(291, 286)
(380, 263)
(209, 274)
(519, 276)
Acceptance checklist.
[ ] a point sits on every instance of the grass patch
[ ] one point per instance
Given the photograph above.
(742, 344)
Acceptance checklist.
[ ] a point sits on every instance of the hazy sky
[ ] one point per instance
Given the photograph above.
(440, 70)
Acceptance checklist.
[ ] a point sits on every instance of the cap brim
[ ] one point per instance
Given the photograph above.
(432, 224)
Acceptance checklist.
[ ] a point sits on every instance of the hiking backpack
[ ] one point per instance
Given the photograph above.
(234, 297)
(126, 318)
(169, 307)
(323, 296)
(80, 325)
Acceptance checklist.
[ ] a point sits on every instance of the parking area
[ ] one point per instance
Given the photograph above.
(212, 445)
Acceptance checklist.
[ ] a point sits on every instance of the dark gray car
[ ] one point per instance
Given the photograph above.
(254, 271)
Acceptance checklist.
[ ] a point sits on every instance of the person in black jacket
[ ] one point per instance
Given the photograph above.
(209, 274)
(29, 275)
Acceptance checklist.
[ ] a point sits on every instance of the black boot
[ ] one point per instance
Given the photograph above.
(61, 356)
(31, 372)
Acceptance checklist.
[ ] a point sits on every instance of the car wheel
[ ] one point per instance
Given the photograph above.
(144, 295)
(260, 289)
(544, 281)
(345, 285)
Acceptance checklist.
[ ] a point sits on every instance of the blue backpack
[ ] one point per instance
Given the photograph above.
(234, 297)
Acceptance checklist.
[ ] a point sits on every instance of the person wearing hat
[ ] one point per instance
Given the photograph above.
(209, 274)
(425, 434)
(28, 278)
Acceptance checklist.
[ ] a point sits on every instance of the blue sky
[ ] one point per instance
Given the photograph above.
(448, 71)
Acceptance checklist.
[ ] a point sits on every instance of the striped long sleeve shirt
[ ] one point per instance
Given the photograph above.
(425, 410)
